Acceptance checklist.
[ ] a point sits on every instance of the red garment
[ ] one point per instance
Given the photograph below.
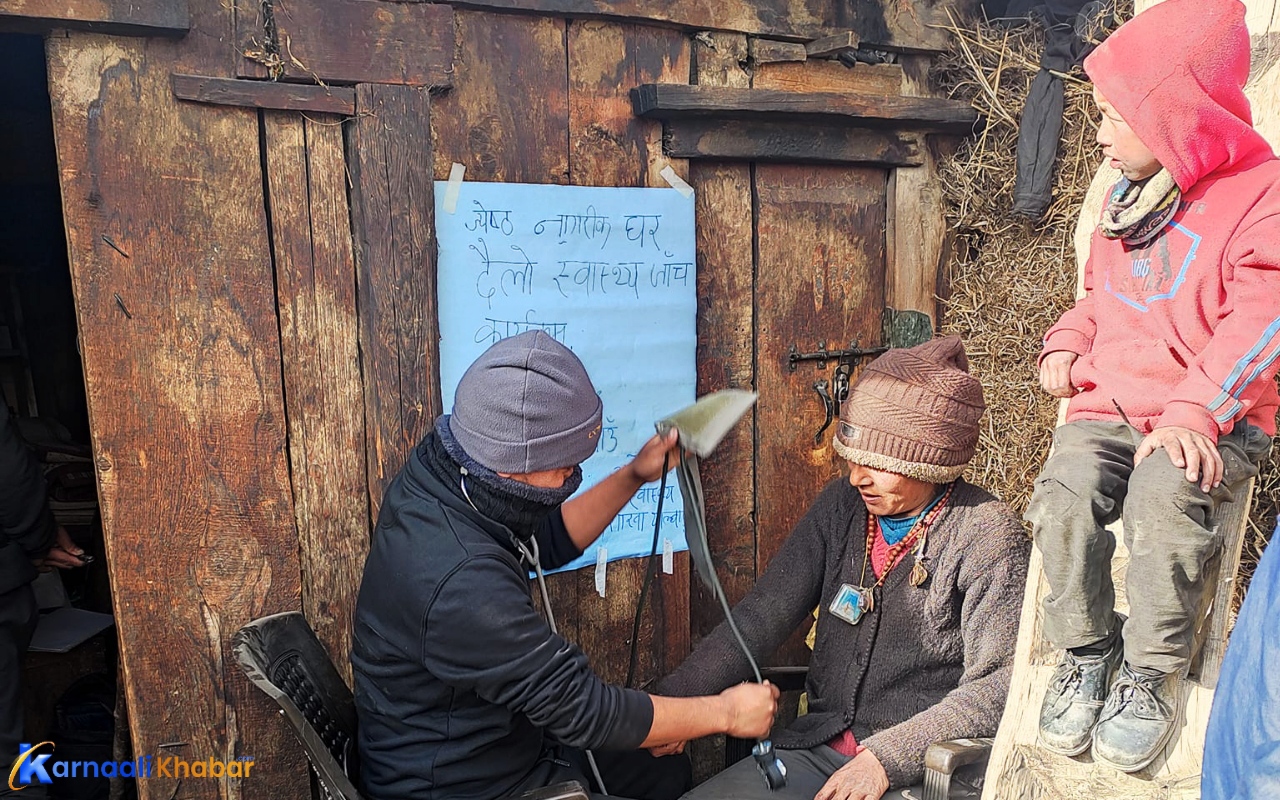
(879, 555)
(846, 744)
(1184, 331)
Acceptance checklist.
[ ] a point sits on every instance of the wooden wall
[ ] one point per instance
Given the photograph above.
(255, 287)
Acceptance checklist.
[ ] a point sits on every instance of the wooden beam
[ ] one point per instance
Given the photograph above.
(900, 25)
(265, 94)
(316, 296)
(772, 51)
(825, 75)
(832, 45)
(393, 220)
(917, 225)
(786, 19)
(134, 18)
(674, 101)
(789, 141)
(347, 41)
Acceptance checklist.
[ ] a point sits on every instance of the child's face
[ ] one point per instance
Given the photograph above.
(1121, 145)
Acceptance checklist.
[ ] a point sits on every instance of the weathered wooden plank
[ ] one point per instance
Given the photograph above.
(719, 59)
(315, 288)
(770, 51)
(917, 227)
(820, 230)
(672, 101)
(883, 80)
(181, 354)
(265, 94)
(393, 216)
(726, 359)
(908, 25)
(789, 142)
(136, 18)
(347, 41)
(831, 45)
(792, 19)
(482, 124)
(609, 146)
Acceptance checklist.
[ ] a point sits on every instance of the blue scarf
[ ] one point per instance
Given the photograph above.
(895, 529)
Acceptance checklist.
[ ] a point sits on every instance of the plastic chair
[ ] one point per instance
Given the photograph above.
(282, 657)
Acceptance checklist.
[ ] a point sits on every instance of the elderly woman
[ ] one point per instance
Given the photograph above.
(917, 577)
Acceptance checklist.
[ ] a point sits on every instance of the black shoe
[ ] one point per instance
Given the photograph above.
(1137, 720)
(1074, 699)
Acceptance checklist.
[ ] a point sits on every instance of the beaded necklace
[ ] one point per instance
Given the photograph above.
(918, 533)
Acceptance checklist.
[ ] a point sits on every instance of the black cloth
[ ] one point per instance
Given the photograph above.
(18, 617)
(462, 690)
(27, 529)
(1041, 124)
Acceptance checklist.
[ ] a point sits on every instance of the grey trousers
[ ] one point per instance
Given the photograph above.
(1089, 482)
(807, 772)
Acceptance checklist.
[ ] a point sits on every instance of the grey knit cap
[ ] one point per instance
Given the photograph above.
(526, 405)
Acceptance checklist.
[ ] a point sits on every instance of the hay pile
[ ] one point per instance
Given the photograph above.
(1007, 280)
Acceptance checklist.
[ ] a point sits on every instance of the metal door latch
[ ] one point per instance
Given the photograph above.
(852, 354)
(834, 392)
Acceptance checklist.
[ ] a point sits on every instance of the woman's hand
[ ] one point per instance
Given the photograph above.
(863, 778)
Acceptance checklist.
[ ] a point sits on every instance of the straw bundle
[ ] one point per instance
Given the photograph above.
(1009, 280)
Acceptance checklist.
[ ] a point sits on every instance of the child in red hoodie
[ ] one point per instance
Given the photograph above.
(1169, 362)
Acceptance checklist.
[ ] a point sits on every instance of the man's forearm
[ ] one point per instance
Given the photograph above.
(679, 719)
(587, 515)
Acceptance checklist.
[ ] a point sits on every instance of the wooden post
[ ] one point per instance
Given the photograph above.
(917, 224)
(726, 346)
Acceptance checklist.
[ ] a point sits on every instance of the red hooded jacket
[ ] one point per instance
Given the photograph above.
(1186, 330)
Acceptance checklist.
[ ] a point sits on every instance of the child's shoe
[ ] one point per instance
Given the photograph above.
(1137, 720)
(1074, 699)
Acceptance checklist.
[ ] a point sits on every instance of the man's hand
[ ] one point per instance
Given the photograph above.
(750, 708)
(647, 465)
(64, 554)
(863, 778)
(667, 749)
(1189, 450)
(1055, 373)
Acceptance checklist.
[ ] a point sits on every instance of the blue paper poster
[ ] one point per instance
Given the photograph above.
(608, 272)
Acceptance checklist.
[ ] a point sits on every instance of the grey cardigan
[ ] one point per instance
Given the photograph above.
(926, 665)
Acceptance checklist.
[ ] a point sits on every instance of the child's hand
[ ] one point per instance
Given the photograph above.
(1055, 373)
(1187, 449)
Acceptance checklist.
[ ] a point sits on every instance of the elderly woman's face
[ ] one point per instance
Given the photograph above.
(888, 494)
